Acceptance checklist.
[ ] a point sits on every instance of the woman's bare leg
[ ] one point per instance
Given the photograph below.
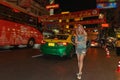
(81, 58)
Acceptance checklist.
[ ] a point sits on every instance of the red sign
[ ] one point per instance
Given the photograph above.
(96, 21)
(72, 15)
(105, 25)
(52, 6)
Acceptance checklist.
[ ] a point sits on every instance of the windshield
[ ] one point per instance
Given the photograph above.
(60, 37)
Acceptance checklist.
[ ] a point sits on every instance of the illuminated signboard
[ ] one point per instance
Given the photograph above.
(96, 21)
(100, 1)
(105, 25)
(72, 15)
(106, 5)
(52, 6)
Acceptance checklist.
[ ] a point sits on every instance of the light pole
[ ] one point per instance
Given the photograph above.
(51, 10)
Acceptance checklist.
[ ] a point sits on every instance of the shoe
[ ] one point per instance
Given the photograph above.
(79, 73)
(78, 76)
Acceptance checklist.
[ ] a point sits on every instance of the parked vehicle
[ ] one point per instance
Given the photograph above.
(94, 43)
(17, 27)
(60, 45)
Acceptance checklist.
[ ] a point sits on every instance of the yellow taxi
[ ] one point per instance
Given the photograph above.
(59, 44)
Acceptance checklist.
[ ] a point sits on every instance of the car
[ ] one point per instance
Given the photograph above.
(59, 45)
(94, 43)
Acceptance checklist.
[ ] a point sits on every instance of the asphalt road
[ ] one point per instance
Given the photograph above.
(28, 64)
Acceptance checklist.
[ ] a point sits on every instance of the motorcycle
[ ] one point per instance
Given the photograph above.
(110, 43)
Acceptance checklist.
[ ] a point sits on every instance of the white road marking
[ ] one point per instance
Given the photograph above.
(37, 55)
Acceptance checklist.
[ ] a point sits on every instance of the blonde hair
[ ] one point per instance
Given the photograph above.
(80, 30)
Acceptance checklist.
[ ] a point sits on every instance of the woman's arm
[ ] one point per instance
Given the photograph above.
(85, 36)
(76, 40)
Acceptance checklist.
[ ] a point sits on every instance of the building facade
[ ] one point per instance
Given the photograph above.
(34, 7)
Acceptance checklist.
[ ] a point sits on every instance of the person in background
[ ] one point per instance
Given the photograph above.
(103, 42)
(80, 41)
(117, 44)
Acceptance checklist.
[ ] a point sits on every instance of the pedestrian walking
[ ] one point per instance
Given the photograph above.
(80, 41)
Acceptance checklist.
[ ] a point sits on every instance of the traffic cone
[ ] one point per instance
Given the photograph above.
(106, 49)
(108, 53)
(118, 67)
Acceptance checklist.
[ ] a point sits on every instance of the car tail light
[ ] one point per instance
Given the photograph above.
(62, 43)
(93, 42)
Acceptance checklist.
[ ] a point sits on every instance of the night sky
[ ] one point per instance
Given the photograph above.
(76, 5)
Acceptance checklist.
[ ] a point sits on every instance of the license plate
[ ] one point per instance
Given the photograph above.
(51, 44)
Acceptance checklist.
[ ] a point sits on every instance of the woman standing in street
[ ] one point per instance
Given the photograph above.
(80, 40)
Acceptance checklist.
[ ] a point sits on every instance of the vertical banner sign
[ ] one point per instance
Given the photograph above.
(51, 10)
